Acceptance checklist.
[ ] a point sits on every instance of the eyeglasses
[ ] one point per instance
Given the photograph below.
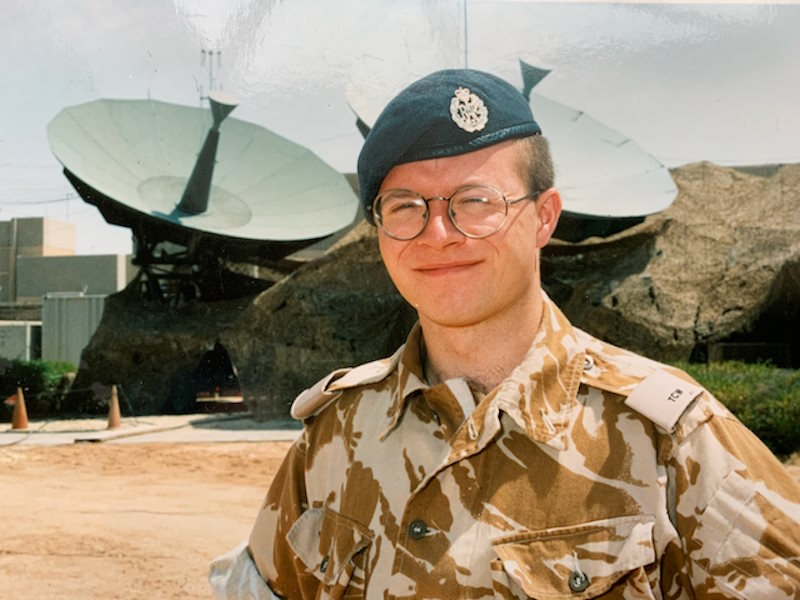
(477, 211)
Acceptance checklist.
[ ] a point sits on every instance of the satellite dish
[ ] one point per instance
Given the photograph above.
(193, 177)
(601, 173)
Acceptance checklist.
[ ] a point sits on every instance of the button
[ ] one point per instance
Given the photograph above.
(578, 581)
(588, 363)
(323, 566)
(417, 529)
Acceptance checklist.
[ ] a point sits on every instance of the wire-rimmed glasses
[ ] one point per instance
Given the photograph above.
(477, 211)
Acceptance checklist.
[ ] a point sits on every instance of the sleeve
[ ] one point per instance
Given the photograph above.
(736, 510)
(234, 576)
(268, 546)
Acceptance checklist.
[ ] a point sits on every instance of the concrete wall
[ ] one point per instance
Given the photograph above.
(7, 256)
(20, 340)
(68, 323)
(34, 236)
(37, 236)
(94, 274)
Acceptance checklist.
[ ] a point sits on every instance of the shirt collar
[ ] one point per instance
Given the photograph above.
(410, 377)
(539, 395)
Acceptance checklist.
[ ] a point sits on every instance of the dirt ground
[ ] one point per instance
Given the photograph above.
(125, 520)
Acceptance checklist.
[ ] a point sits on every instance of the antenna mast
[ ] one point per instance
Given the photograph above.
(466, 64)
(211, 80)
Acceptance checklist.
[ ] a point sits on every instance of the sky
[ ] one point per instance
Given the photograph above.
(686, 81)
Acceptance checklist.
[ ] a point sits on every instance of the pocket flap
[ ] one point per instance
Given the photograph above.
(326, 542)
(542, 562)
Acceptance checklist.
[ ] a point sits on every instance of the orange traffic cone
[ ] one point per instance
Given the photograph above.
(114, 419)
(19, 420)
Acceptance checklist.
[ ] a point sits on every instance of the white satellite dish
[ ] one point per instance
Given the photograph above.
(176, 170)
(600, 172)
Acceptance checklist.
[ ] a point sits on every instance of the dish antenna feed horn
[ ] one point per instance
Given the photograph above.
(195, 197)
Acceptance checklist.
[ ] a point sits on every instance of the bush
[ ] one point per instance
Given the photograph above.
(766, 399)
(42, 383)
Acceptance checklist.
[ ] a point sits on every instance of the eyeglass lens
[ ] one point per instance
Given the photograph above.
(475, 211)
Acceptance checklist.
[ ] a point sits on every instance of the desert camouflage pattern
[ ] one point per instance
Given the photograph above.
(548, 487)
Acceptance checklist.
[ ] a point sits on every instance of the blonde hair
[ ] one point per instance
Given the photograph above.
(536, 164)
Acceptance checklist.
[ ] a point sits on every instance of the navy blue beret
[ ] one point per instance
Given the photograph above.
(444, 114)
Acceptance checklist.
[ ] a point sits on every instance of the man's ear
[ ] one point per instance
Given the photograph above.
(548, 210)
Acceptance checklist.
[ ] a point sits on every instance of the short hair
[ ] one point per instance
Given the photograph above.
(536, 163)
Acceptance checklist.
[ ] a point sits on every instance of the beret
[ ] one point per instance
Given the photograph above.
(446, 113)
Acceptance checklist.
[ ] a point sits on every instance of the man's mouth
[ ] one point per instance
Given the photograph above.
(442, 268)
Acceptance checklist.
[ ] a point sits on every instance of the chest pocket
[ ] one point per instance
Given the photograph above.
(331, 548)
(599, 559)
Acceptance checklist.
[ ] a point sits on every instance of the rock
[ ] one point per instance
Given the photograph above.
(722, 264)
(338, 310)
(150, 350)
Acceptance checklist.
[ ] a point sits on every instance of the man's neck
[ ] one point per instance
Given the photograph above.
(484, 353)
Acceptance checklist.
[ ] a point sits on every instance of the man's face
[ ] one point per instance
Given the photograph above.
(457, 281)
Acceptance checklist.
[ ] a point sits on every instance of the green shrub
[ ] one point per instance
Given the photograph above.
(41, 381)
(766, 399)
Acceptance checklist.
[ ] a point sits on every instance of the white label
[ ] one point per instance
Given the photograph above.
(663, 398)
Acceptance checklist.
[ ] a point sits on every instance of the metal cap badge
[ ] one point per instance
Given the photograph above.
(468, 111)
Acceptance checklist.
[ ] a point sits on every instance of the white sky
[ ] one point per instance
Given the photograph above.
(688, 82)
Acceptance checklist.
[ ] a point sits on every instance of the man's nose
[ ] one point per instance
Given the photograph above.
(440, 229)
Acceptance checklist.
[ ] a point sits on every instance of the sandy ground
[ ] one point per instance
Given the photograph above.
(129, 520)
(125, 520)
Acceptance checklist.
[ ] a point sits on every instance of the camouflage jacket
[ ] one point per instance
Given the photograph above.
(590, 472)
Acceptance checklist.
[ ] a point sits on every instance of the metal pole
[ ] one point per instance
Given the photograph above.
(466, 63)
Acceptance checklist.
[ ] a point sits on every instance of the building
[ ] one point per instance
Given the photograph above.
(30, 237)
(37, 259)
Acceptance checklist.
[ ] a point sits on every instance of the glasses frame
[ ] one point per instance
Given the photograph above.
(450, 214)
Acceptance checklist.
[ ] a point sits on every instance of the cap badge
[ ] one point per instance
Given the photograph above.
(468, 111)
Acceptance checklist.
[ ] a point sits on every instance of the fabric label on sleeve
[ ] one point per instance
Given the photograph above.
(663, 398)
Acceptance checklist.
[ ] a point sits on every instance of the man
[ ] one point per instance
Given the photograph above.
(502, 453)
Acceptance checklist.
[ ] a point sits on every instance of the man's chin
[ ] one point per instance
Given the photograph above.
(451, 320)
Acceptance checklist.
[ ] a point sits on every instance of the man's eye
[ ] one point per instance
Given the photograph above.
(401, 206)
(474, 200)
